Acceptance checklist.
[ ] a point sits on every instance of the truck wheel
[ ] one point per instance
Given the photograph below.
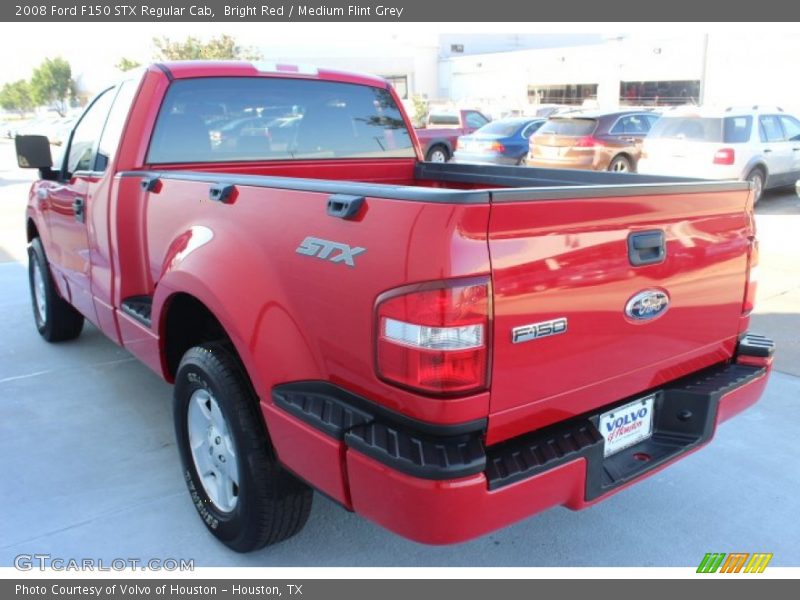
(620, 164)
(244, 496)
(56, 320)
(438, 154)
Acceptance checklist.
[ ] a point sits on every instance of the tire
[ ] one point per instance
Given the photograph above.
(621, 164)
(246, 500)
(438, 154)
(756, 178)
(56, 320)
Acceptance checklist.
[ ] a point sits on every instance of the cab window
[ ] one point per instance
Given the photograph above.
(81, 153)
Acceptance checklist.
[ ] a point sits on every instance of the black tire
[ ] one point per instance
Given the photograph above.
(271, 504)
(56, 320)
(438, 153)
(621, 164)
(758, 179)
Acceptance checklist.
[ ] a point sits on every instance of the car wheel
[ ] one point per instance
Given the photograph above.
(243, 495)
(56, 320)
(620, 164)
(438, 154)
(756, 179)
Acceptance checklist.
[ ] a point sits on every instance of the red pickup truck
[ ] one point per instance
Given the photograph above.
(444, 349)
(441, 132)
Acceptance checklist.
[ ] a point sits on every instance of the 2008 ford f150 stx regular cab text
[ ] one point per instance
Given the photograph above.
(444, 349)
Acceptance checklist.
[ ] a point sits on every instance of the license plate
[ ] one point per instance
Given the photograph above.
(549, 151)
(627, 425)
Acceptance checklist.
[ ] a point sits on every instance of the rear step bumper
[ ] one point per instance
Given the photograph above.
(441, 486)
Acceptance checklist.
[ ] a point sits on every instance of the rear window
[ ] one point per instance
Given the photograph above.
(568, 127)
(729, 130)
(443, 120)
(219, 119)
(504, 128)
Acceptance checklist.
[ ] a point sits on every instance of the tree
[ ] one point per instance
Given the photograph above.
(126, 64)
(16, 96)
(420, 109)
(192, 48)
(52, 84)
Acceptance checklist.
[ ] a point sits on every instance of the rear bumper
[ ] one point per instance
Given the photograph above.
(441, 489)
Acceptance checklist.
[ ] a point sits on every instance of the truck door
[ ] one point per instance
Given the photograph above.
(69, 202)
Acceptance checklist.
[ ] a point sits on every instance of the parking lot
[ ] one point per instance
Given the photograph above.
(92, 469)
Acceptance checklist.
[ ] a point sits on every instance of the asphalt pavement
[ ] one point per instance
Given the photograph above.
(91, 468)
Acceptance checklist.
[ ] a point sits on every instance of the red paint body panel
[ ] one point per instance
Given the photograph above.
(293, 317)
(569, 258)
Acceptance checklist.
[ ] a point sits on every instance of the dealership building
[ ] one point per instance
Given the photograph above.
(513, 71)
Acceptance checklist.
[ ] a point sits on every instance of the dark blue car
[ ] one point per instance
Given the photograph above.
(501, 142)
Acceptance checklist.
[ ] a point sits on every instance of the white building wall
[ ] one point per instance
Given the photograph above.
(754, 69)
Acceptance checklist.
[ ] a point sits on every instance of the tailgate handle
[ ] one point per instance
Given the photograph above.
(343, 206)
(646, 247)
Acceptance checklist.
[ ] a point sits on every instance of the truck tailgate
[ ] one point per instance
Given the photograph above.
(563, 277)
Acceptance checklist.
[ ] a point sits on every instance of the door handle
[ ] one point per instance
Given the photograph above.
(767, 150)
(78, 208)
(646, 247)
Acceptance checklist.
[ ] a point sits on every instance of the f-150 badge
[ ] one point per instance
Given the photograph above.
(328, 250)
(534, 331)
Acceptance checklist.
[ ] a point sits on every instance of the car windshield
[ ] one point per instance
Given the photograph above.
(501, 128)
(219, 119)
(729, 130)
(568, 127)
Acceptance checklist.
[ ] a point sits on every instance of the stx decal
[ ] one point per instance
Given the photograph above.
(327, 250)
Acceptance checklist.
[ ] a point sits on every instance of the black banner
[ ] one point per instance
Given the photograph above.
(397, 11)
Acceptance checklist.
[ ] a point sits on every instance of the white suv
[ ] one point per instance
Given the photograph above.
(756, 144)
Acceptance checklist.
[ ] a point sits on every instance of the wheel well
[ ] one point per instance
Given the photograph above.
(626, 156)
(760, 167)
(188, 323)
(443, 145)
(31, 230)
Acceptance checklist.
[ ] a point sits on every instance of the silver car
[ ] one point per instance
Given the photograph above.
(756, 144)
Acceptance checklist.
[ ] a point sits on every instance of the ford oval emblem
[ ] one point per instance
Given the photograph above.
(647, 305)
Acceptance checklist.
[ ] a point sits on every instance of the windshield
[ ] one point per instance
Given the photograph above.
(729, 130)
(218, 119)
(568, 127)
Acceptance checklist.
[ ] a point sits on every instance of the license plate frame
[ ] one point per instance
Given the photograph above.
(627, 425)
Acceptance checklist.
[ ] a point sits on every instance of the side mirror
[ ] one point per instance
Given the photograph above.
(33, 152)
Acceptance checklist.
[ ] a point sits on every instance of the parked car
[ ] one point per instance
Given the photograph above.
(756, 144)
(501, 142)
(444, 349)
(593, 140)
(442, 130)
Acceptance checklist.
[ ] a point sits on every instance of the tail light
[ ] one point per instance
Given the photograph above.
(588, 142)
(497, 147)
(724, 156)
(434, 338)
(751, 283)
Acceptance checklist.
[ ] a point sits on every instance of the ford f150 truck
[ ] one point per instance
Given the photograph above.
(443, 349)
(441, 132)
